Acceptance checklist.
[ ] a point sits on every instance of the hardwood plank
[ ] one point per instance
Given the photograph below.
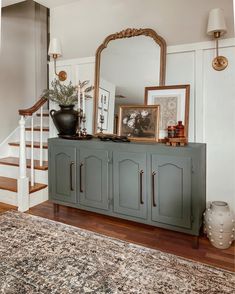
(6, 207)
(167, 241)
(10, 184)
(28, 144)
(14, 161)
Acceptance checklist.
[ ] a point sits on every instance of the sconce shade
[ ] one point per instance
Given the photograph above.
(55, 48)
(216, 22)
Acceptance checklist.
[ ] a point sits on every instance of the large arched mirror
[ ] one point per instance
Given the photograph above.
(126, 63)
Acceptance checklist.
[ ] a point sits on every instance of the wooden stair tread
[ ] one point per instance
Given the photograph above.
(28, 144)
(14, 161)
(37, 129)
(10, 184)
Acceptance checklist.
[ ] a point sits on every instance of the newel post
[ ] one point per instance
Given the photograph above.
(23, 180)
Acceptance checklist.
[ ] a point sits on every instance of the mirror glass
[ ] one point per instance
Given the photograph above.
(127, 66)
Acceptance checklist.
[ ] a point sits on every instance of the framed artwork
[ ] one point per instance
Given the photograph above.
(174, 106)
(139, 123)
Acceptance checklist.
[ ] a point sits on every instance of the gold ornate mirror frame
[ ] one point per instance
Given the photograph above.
(128, 33)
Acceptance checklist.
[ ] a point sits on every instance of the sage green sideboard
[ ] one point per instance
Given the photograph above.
(147, 183)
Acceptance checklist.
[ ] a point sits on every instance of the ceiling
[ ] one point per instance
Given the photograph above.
(10, 2)
(47, 3)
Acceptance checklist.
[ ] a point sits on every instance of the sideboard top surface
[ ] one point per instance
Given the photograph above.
(139, 146)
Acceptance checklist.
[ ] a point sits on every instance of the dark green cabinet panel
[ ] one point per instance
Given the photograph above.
(129, 184)
(171, 190)
(62, 170)
(94, 178)
(147, 183)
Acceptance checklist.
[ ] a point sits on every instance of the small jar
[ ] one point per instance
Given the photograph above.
(171, 130)
(180, 130)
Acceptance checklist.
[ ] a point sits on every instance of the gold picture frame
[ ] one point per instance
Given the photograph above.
(139, 122)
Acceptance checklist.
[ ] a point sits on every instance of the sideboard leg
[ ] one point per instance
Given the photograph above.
(195, 243)
(56, 208)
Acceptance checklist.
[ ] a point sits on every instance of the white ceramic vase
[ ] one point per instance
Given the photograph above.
(219, 224)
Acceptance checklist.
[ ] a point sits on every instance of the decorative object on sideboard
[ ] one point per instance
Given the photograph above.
(176, 135)
(174, 106)
(219, 222)
(83, 91)
(65, 96)
(139, 122)
(113, 138)
(216, 28)
(55, 52)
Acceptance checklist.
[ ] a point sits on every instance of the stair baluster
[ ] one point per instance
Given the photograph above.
(23, 181)
(32, 152)
(41, 138)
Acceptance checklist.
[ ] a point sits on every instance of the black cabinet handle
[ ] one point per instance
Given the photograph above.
(141, 187)
(81, 189)
(71, 176)
(153, 188)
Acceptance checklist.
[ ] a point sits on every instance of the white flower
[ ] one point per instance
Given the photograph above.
(125, 121)
(144, 113)
(131, 123)
(134, 115)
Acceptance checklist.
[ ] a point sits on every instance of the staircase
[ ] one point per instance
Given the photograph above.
(24, 171)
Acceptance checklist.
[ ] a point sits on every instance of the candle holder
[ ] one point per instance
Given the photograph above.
(79, 129)
(101, 123)
(84, 130)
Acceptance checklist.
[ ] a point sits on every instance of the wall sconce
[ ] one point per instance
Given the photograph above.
(217, 28)
(56, 52)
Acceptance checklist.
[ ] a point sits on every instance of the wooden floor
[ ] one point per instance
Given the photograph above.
(164, 240)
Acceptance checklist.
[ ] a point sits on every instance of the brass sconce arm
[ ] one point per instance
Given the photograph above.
(62, 75)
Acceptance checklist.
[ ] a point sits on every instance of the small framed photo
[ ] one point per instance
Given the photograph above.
(174, 106)
(139, 123)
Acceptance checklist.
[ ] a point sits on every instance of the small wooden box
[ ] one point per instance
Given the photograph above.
(174, 142)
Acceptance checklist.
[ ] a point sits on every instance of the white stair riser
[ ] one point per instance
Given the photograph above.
(36, 136)
(37, 121)
(13, 172)
(8, 197)
(14, 151)
(36, 198)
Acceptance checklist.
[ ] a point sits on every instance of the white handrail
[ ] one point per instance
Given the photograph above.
(23, 181)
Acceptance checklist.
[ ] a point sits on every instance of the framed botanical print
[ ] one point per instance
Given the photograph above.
(174, 106)
(138, 122)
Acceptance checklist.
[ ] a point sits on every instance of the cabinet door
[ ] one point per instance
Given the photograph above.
(62, 174)
(94, 179)
(171, 190)
(129, 179)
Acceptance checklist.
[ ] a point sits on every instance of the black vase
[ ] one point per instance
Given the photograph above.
(65, 120)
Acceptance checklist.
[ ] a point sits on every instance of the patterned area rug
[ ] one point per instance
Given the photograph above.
(41, 256)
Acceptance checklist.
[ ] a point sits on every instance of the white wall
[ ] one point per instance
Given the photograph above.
(83, 25)
(212, 106)
(22, 63)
